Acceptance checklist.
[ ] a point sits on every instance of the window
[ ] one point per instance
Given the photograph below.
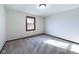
(30, 23)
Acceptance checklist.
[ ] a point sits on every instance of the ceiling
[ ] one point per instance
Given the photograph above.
(34, 9)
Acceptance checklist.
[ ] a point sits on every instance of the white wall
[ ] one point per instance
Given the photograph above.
(2, 26)
(64, 25)
(16, 25)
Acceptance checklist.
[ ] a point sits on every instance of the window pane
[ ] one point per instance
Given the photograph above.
(30, 20)
(30, 26)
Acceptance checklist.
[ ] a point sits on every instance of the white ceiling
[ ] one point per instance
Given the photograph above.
(50, 9)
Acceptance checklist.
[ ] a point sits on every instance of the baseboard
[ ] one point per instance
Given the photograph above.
(3, 47)
(25, 37)
(61, 38)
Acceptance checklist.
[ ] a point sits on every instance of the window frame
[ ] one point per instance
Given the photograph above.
(34, 23)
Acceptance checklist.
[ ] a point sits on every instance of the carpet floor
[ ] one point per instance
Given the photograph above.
(40, 44)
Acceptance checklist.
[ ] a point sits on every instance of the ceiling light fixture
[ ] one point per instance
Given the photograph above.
(42, 5)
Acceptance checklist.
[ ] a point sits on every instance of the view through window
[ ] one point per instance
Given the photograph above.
(30, 23)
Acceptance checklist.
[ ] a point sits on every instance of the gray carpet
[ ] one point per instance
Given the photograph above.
(41, 44)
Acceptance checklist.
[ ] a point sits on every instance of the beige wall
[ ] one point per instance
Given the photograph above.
(16, 25)
(64, 25)
(2, 26)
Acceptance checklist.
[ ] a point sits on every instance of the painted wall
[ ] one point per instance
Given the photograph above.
(64, 25)
(16, 25)
(2, 26)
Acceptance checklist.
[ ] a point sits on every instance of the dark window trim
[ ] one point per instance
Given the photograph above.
(34, 23)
